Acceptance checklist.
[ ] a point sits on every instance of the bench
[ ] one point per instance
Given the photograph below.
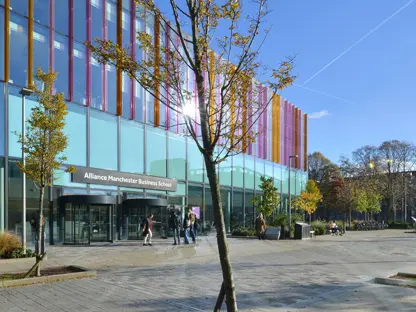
(312, 233)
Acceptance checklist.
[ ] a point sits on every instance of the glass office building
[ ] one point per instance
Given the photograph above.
(131, 154)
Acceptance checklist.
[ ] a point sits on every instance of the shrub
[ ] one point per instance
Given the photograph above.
(8, 243)
(319, 227)
(244, 231)
(399, 225)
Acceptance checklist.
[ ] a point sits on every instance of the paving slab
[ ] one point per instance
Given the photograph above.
(321, 274)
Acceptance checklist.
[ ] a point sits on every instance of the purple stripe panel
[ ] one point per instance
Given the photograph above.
(88, 60)
(103, 69)
(133, 55)
(300, 139)
(71, 49)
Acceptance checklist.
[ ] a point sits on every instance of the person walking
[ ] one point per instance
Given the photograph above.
(196, 227)
(147, 230)
(174, 226)
(192, 220)
(260, 226)
(186, 226)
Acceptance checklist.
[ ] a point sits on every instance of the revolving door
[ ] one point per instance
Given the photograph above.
(87, 219)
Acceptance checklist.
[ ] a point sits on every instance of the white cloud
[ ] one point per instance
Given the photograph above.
(318, 115)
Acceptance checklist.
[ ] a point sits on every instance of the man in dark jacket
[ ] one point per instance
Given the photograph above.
(174, 226)
(147, 230)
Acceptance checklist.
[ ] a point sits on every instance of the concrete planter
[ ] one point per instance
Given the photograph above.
(390, 280)
(78, 272)
(18, 260)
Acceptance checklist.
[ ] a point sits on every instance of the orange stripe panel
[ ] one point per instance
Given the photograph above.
(212, 97)
(119, 81)
(305, 142)
(157, 71)
(244, 100)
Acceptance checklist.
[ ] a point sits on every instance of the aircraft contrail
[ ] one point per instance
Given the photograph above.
(359, 41)
(323, 93)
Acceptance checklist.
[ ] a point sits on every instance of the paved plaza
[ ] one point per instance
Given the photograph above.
(322, 274)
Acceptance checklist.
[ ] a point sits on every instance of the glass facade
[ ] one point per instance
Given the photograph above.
(97, 138)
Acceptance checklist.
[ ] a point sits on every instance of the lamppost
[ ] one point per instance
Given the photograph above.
(290, 196)
(24, 92)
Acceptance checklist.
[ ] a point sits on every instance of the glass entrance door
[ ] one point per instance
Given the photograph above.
(76, 227)
(100, 223)
(136, 215)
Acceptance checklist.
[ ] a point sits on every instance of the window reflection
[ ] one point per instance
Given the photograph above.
(126, 91)
(111, 16)
(96, 84)
(80, 66)
(259, 172)
(249, 172)
(61, 63)
(76, 130)
(131, 146)
(156, 152)
(238, 170)
(103, 140)
(195, 167)
(41, 12)
(18, 49)
(139, 100)
(19, 6)
(40, 48)
(177, 156)
(80, 20)
(96, 19)
(62, 17)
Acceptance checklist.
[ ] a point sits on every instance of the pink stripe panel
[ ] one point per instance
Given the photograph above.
(265, 116)
(133, 54)
(88, 60)
(250, 118)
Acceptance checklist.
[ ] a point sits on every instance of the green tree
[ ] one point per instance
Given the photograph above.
(267, 201)
(309, 199)
(43, 145)
(223, 82)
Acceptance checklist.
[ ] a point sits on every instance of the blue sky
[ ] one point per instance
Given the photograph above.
(366, 96)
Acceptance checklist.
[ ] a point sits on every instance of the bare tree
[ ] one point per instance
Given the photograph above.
(229, 101)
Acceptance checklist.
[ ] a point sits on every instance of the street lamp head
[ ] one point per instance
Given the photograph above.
(26, 92)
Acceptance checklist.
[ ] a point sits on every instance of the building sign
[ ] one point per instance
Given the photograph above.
(107, 177)
(197, 212)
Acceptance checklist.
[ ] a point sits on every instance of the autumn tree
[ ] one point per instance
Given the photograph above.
(43, 145)
(266, 202)
(228, 100)
(309, 199)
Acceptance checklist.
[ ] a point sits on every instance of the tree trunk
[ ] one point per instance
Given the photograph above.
(310, 219)
(350, 219)
(227, 275)
(220, 299)
(40, 233)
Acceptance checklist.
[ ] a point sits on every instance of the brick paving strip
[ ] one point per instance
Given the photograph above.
(322, 274)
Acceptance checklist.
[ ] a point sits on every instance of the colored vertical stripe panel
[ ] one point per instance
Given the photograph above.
(259, 125)
(104, 71)
(232, 111)
(89, 83)
(71, 50)
(119, 77)
(296, 139)
(51, 34)
(305, 142)
(300, 164)
(276, 128)
(156, 102)
(167, 106)
(133, 54)
(244, 121)
(6, 40)
(265, 128)
(250, 118)
(30, 43)
(212, 93)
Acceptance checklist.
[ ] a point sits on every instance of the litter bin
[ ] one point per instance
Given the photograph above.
(302, 230)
